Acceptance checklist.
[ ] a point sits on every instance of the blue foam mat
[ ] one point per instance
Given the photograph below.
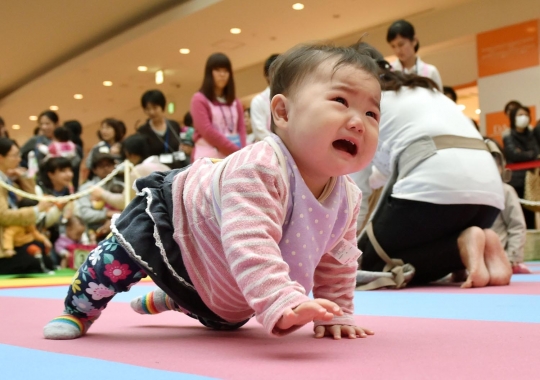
(481, 307)
(64, 366)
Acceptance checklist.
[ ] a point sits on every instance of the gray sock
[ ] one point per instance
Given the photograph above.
(65, 327)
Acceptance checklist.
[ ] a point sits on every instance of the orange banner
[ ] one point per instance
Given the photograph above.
(507, 49)
(497, 123)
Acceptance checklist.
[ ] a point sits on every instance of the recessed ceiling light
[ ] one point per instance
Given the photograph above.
(53, 108)
(478, 111)
(236, 30)
(461, 107)
(78, 96)
(184, 51)
(142, 68)
(16, 126)
(33, 118)
(298, 6)
(159, 77)
(107, 83)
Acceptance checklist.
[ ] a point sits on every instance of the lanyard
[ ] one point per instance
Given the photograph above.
(230, 126)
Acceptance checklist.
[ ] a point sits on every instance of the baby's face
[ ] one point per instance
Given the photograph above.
(75, 231)
(332, 125)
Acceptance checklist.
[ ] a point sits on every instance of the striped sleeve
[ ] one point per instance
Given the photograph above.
(253, 196)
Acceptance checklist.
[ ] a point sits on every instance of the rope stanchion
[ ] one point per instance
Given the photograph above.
(126, 166)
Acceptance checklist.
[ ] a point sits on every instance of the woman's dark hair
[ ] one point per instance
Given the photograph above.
(218, 61)
(513, 113)
(118, 126)
(51, 115)
(5, 145)
(268, 63)
(2, 123)
(75, 129)
(62, 134)
(511, 105)
(404, 29)
(51, 165)
(155, 97)
(136, 144)
(447, 90)
(188, 120)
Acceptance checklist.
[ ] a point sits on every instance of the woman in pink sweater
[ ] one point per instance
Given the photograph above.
(217, 113)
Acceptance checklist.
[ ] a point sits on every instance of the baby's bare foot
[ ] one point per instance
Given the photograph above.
(471, 244)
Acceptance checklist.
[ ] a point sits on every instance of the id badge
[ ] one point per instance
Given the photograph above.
(166, 158)
(235, 139)
(345, 252)
(179, 156)
(104, 149)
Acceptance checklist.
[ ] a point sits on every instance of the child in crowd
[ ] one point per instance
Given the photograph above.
(253, 234)
(73, 235)
(510, 224)
(61, 146)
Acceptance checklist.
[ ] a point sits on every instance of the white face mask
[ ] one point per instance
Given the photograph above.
(522, 121)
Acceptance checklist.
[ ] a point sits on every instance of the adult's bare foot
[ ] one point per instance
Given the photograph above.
(471, 245)
(498, 266)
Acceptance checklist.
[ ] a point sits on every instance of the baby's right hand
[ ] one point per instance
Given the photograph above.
(318, 309)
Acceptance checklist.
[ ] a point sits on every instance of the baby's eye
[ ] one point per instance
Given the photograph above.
(371, 114)
(341, 100)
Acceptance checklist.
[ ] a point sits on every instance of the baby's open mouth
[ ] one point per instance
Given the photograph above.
(346, 146)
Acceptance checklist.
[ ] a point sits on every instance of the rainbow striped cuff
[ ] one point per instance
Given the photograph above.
(148, 305)
(70, 320)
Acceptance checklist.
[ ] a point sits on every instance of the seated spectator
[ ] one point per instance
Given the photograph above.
(162, 134)
(510, 224)
(75, 130)
(62, 146)
(260, 106)
(520, 145)
(36, 148)
(3, 129)
(102, 165)
(111, 132)
(136, 151)
(55, 178)
(73, 235)
(11, 215)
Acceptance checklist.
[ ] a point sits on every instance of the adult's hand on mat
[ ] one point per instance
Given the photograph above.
(318, 309)
(338, 331)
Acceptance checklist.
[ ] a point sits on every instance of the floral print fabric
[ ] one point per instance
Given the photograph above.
(107, 270)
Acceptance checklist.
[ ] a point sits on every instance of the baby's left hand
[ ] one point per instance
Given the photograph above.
(337, 331)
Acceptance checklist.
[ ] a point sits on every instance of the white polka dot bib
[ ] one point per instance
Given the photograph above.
(312, 226)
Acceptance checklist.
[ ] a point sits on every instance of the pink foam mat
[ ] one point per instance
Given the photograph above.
(404, 348)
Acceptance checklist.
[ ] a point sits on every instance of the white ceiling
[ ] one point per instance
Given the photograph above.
(57, 48)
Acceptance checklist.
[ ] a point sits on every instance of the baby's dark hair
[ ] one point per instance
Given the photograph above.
(62, 134)
(116, 188)
(293, 66)
(74, 219)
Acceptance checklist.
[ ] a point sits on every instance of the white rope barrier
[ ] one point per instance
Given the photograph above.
(529, 203)
(126, 166)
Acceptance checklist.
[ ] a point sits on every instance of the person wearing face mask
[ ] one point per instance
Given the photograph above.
(402, 38)
(520, 145)
(217, 113)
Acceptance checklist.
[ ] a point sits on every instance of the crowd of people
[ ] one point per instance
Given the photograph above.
(233, 215)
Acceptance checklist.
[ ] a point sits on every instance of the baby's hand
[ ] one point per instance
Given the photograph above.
(318, 309)
(337, 331)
